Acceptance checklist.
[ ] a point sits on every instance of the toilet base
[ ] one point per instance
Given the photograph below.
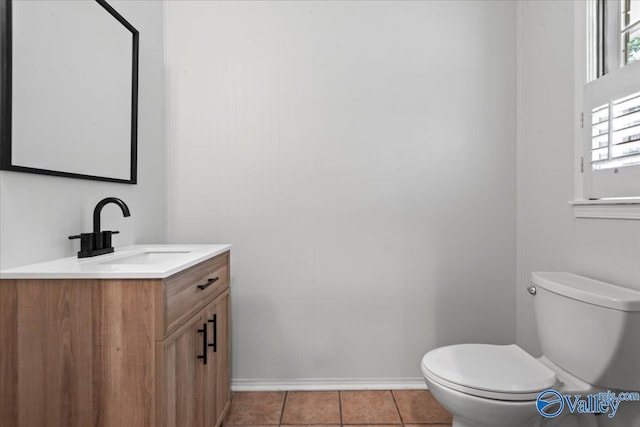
(485, 412)
(463, 423)
(457, 422)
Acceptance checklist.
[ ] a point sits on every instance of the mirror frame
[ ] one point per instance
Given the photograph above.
(6, 161)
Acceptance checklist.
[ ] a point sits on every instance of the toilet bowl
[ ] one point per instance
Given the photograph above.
(474, 411)
(485, 385)
(495, 385)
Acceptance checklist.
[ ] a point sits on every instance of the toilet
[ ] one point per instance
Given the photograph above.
(589, 332)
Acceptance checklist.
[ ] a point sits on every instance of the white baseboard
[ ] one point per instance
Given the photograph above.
(316, 384)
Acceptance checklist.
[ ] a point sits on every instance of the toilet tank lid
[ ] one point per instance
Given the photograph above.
(588, 290)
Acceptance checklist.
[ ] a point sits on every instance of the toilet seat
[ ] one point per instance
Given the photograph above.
(502, 372)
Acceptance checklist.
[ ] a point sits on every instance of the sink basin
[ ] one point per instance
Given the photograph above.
(147, 257)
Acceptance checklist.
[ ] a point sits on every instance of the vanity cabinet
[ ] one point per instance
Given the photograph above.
(117, 352)
(195, 368)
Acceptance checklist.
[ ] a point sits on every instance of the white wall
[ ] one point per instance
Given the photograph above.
(38, 212)
(360, 157)
(549, 237)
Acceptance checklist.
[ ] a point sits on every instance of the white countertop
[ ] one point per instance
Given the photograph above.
(131, 262)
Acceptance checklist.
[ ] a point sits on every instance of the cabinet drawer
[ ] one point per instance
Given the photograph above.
(190, 290)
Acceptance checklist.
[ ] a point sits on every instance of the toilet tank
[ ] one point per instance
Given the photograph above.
(589, 328)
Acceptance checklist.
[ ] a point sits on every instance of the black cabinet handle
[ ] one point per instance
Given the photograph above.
(209, 283)
(214, 344)
(203, 331)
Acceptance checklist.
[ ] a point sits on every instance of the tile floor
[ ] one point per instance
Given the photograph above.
(411, 408)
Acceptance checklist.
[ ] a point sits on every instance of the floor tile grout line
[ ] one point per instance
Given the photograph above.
(395, 402)
(284, 402)
(373, 424)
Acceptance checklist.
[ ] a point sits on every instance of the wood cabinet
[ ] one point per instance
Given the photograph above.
(182, 372)
(195, 368)
(217, 392)
(126, 352)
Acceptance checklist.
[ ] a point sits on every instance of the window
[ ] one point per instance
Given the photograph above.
(611, 114)
(630, 31)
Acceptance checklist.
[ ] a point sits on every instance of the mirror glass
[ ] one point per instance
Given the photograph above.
(73, 69)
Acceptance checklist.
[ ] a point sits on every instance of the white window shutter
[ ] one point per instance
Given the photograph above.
(612, 134)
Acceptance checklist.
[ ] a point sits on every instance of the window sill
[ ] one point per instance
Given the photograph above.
(607, 208)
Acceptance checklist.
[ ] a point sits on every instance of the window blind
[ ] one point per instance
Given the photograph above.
(615, 133)
(612, 134)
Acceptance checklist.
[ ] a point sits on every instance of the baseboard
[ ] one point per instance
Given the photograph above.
(315, 384)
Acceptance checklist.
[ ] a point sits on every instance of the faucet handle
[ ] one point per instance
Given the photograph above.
(105, 239)
(87, 241)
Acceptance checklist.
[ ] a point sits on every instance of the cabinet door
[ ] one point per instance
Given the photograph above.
(182, 364)
(216, 388)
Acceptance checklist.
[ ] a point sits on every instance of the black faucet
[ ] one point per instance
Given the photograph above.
(99, 242)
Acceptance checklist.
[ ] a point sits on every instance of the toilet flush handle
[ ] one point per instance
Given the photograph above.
(532, 290)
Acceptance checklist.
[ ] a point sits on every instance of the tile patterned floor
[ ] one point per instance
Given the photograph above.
(411, 408)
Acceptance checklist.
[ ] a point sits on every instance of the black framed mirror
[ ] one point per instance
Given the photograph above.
(68, 90)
